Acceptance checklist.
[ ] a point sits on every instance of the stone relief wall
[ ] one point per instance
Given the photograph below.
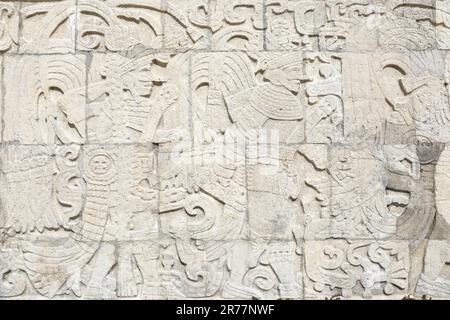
(217, 149)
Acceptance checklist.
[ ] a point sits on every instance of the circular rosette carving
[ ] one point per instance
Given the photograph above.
(428, 150)
(99, 166)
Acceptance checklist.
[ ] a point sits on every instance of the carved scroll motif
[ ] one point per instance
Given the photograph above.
(224, 149)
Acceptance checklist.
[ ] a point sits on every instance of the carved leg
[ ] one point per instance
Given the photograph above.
(431, 283)
(149, 266)
(281, 258)
(238, 264)
(435, 258)
(103, 261)
(126, 284)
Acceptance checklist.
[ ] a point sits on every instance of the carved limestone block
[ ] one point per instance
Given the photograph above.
(9, 22)
(224, 149)
(131, 94)
(186, 25)
(323, 25)
(41, 208)
(410, 25)
(51, 93)
(355, 269)
(237, 25)
(400, 98)
(116, 26)
(48, 27)
(442, 22)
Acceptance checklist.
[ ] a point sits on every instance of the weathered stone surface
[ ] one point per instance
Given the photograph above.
(224, 149)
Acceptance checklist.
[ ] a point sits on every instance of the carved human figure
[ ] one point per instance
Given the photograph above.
(130, 231)
(271, 185)
(123, 104)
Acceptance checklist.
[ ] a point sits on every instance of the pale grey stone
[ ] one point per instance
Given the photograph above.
(224, 149)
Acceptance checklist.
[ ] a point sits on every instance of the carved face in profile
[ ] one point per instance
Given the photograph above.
(142, 81)
(424, 101)
(288, 77)
(100, 164)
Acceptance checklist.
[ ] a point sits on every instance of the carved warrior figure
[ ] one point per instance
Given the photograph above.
(313, 161)
(106, 181)
(119, 206)
(85, 236)
(123, 105)
(434, 281)
(251, 105)
(250, 109)
(121, 198)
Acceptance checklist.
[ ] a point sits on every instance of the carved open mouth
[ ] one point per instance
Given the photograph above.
(224, 149)
(397, 201)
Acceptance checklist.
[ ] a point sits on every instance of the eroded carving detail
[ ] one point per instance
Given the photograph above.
(224, 149)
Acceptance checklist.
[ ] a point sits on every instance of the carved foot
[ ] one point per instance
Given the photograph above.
(238, 291)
